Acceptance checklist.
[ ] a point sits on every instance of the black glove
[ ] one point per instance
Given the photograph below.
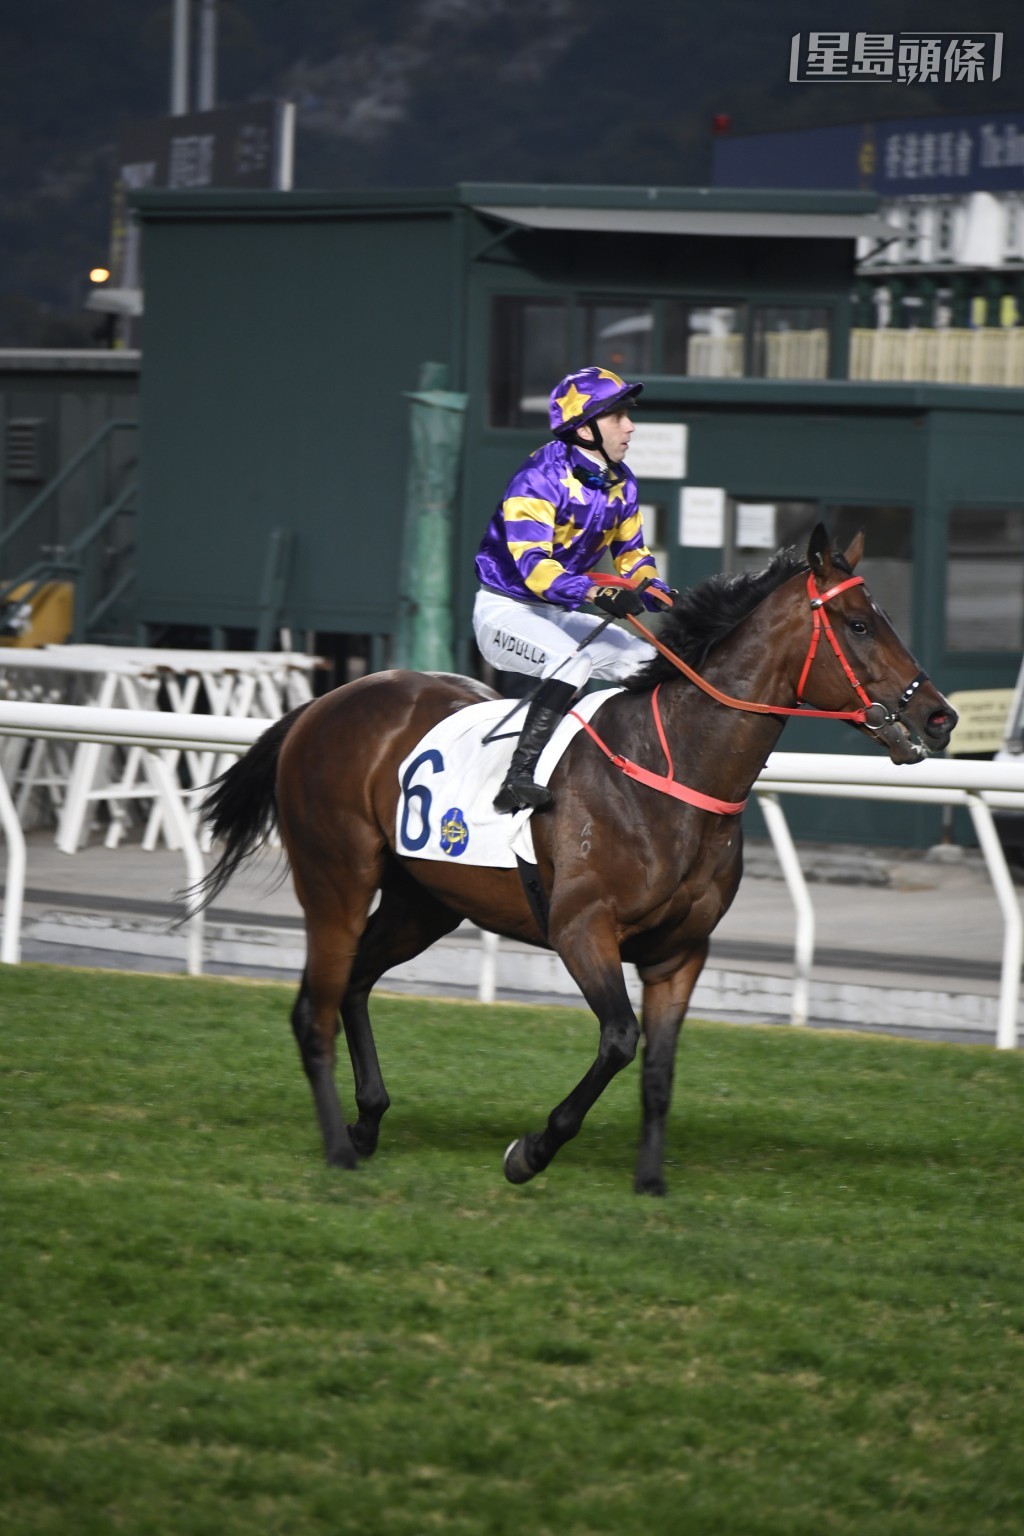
(618, 601)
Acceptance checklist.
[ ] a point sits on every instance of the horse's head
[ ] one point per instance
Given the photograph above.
(860, 655)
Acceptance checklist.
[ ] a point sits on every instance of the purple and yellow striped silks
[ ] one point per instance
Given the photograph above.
(550, 529)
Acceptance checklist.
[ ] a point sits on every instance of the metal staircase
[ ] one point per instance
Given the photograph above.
(98, 557)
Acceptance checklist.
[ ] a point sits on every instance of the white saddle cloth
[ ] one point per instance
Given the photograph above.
(450, 778)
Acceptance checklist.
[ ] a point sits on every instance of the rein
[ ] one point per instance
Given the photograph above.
(871, 714)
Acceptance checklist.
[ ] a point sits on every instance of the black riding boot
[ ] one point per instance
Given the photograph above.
(547, 708)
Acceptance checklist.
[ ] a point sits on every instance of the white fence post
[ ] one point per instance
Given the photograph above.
(1013, 930)
(803, 958)
(14, 891)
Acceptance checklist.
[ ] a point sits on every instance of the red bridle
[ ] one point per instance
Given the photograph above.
(820, 624)
(666, 783)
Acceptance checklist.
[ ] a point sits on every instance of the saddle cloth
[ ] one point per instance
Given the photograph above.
(450, 778)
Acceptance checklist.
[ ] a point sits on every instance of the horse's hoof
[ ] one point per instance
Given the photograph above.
(650, 1186)
(342, 1157)
(364, 1142)
(517, 1169)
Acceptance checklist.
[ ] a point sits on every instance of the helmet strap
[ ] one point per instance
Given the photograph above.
(614, 470)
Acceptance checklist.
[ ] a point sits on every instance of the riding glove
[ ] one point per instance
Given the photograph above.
(654, 604)
(618, 601)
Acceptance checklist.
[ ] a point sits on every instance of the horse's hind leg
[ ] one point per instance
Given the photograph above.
(407, 921)
(335, 922)
(315, 1025)
(667, 996)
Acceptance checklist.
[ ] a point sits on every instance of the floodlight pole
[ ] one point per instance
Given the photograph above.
(179, 59)
(206, 95)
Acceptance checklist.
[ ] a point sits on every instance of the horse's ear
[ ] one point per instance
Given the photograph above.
(855, 551)
(818, 549)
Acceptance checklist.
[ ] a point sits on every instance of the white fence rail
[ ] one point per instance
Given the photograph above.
(979, 786)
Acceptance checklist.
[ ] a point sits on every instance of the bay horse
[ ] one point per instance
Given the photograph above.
(630, 873)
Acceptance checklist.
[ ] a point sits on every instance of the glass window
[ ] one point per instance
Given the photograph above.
(529, 354)
(888, 563)
(764, 524)
(985, 580)
(1013, 236)
(705, 341)
(945, 232)
(790, 342)
(619, 336)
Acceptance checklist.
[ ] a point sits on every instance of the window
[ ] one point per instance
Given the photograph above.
(945, 232)
(529, 354)
(535, 341)
(619, 336)
(1013, 229)
(705, 341)
(913, 222)
(790, 343)
(888, 564)
(764, 524)
(985, 580)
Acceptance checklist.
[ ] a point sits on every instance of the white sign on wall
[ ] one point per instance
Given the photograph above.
(702, 516)
(657, 451)
(755, 525)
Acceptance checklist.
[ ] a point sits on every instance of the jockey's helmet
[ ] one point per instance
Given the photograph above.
(581, 396)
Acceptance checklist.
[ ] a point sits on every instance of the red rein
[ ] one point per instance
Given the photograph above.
(665, 783)
(820, 623)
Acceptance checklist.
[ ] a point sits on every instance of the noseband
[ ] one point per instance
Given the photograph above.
(871, 714)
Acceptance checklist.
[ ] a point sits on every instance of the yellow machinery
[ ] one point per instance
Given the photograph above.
(34, 614)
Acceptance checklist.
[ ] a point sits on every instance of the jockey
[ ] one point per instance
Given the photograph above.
(572, 500)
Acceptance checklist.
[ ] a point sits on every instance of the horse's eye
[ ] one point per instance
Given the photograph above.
(858, 627)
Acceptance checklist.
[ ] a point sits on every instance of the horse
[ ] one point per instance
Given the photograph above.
(637, 872)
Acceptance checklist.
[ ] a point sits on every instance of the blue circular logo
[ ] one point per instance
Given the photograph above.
(454, 833)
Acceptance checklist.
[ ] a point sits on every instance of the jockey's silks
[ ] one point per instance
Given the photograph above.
(552, 527)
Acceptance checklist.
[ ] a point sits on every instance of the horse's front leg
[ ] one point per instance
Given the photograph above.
(590, 951)
(667, 994)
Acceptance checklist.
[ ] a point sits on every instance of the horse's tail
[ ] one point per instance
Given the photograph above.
(241, 809)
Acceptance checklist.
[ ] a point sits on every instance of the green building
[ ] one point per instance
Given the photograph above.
(283, 332)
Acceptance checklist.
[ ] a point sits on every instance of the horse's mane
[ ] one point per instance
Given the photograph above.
(704, 615)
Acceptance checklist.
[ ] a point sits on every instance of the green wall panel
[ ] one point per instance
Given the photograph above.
(276, 355)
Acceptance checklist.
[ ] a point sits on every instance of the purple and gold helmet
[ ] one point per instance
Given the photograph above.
(581, 396)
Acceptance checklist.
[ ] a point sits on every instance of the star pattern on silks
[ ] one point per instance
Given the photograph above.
(617, 492)
(573, 486)
(606, 373)
(572, 403)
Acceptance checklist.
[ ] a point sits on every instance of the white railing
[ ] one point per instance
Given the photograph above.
(979, 786)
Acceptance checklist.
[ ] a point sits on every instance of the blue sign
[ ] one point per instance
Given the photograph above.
(899, 157)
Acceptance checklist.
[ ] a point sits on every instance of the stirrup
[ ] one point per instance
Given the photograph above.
(522, 795)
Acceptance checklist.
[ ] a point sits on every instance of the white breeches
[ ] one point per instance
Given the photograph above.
(542, 641)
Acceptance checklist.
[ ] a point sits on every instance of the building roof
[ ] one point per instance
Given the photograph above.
(656, 210)
(682, 211)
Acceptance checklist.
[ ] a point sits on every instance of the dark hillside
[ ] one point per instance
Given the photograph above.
(420, 92)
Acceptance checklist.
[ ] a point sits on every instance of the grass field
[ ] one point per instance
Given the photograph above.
(820, 1329)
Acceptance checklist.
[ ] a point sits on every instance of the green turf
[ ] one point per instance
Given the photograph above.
(820, 1329)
